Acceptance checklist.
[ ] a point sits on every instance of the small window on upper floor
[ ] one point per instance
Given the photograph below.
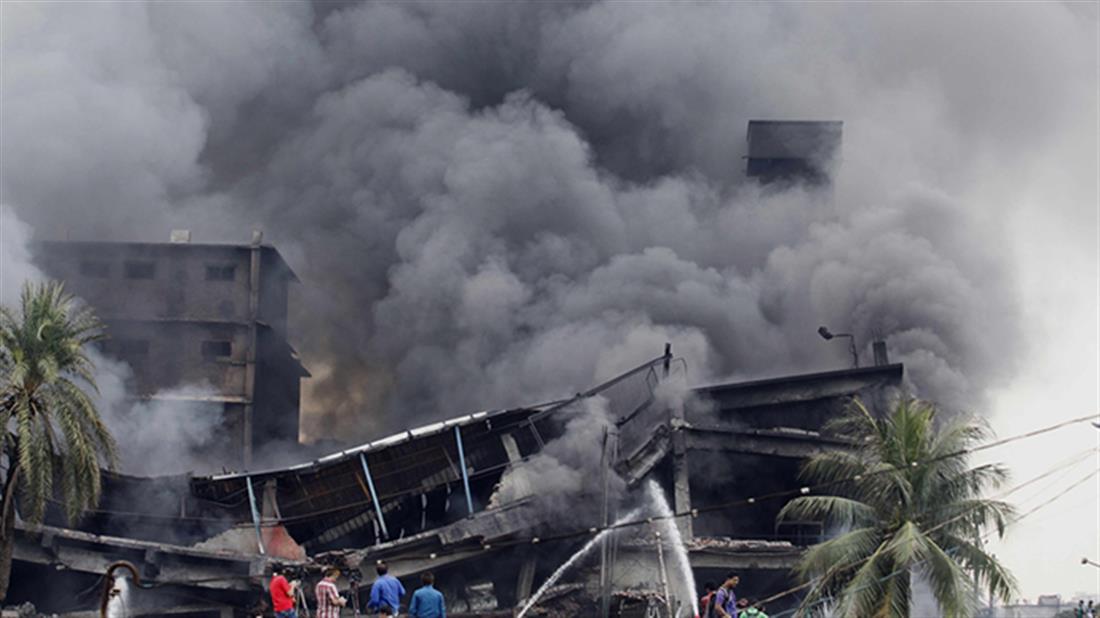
(140, 269)
(213, 350)
(98, 269)
(221, 272)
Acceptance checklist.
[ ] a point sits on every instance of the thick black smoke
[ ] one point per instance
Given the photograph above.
(494, 205)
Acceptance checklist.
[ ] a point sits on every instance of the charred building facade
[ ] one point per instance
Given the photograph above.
(203, 327)
(431, 498)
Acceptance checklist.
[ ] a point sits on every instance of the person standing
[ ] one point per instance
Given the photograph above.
(705, 609)
(725, 601)
(329, 600)
(385, 593)
(282, 593)
(1079, 611)
(427, 602)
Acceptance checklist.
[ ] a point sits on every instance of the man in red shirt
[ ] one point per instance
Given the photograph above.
(282, 594)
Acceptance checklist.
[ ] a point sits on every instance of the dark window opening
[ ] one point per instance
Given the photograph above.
(221, 272)
(213, 350)
(140, 270)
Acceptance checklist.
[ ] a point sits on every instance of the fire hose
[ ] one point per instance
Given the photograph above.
(109, 583)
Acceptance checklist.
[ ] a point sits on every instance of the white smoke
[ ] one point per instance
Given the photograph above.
(564, 477)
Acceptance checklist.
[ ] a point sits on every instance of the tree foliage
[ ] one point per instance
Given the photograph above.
(53, 432)
(907, 504)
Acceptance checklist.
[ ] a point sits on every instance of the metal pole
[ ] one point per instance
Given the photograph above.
(373, 495)
(664, 573)
(465, 474)
(255, 514)
(605, 576)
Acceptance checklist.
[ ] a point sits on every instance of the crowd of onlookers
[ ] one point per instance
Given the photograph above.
(386, 594)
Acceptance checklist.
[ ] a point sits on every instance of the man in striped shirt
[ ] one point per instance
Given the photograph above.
(329, 600)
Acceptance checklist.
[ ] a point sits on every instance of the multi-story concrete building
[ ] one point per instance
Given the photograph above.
(201, 325)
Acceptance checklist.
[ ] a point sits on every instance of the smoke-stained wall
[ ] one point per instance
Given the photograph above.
(494, 207)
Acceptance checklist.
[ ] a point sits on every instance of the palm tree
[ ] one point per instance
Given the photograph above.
(52, 430)
(908, 505)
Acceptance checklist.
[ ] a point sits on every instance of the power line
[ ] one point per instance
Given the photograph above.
(1003, 494)
(985, 537)
(802, 490)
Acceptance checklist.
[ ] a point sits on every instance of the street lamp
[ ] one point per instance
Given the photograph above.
(826, 334)
(1087, 561)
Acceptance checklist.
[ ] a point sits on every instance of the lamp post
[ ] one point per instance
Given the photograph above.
(827, 335)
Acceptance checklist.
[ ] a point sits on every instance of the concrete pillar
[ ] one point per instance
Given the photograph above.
(526, 580)
(681, 478)
(510, 447)
(270, 509)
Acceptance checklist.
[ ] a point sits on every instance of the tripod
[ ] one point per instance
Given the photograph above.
(300, 600)
(353, 592)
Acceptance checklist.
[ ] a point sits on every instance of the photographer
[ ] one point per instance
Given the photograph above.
(282, 592)
(329, 600)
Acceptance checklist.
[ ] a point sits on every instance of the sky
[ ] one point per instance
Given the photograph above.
(489, 208)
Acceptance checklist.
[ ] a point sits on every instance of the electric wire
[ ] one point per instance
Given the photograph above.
(749, 501)
(984, 537)
(741, 503)
(1004, 494)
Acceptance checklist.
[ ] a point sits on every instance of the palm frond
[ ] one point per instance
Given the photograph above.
(61, 438)
(917, 500)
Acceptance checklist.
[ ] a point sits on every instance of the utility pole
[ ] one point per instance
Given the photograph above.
(606, 565)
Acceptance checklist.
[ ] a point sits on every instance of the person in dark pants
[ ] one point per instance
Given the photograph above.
(427, 602)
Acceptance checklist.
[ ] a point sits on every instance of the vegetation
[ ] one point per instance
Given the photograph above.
(53, 435)
(908, 506)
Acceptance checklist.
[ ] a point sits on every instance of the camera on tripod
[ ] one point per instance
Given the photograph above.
(290, 571)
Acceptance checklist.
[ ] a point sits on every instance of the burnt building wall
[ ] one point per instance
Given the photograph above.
(197, 324)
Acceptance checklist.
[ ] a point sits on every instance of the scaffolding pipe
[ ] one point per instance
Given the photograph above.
(465, 473)
(374, 495)
(664, 574)
(255, 514)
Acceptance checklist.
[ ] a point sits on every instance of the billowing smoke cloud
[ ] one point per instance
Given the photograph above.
(492, 208)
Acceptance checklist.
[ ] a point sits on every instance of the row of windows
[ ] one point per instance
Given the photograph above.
(145, 269)
(133, 349)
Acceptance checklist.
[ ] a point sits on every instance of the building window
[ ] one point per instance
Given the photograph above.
(140, 269)
(213, 350)
(95, 268)
(132, 348)
(220, 272)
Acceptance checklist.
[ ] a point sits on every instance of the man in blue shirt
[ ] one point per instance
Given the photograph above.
(427, 602)
(385, 593)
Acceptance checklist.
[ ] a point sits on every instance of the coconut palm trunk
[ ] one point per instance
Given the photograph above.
(53, 439)
(904, 505)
